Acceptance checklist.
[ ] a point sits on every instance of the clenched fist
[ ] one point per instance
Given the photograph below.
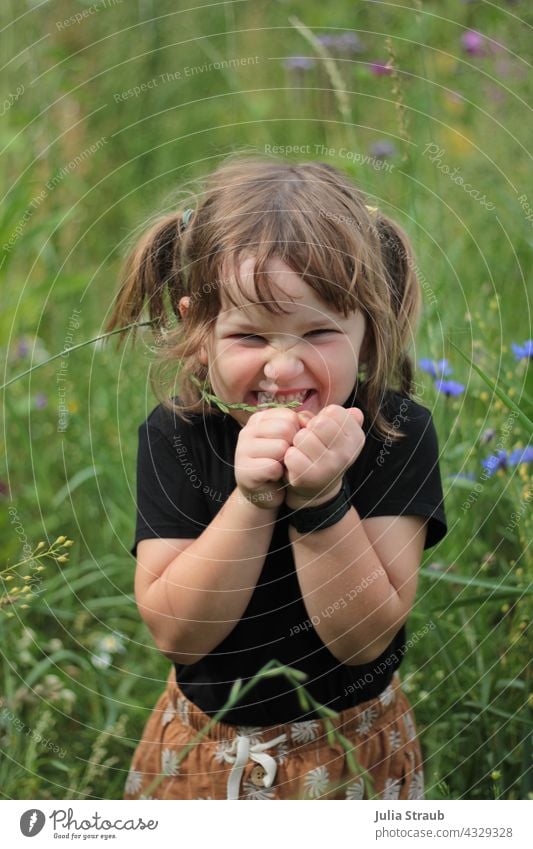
(321, 451)
(261, 447)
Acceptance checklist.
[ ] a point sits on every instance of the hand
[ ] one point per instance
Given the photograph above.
(261, 447)
(321, 451)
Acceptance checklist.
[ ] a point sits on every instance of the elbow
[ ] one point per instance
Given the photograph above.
(362, 656)
(176, 648)
(177, 651)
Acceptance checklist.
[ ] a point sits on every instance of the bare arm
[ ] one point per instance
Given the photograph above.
(194, 602)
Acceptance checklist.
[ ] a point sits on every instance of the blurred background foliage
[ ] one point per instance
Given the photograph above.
(107, 110)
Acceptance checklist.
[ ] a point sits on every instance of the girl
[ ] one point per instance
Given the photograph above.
(283, 513)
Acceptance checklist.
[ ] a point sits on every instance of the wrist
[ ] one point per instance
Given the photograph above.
(263, 501)
(320, 516)
(299, 502)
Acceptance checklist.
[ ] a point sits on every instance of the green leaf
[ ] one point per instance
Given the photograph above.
(476, 582)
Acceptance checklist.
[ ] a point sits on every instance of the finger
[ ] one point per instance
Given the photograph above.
(325, 427)
(268, 448)
(282, 426)
(264, 469)
(310, 444)
(357, 414)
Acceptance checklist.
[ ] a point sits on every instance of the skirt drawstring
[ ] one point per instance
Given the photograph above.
(242, 750)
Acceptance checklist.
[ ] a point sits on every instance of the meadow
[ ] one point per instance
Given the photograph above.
(108, 109)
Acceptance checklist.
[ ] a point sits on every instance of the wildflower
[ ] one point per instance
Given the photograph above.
(383, 149)
(299, 63)
(494, 462)
(520, 455)
(101, 660)
(40, 401)
(60, 540)
(523, 352)
(495, 774)
(62, 559)
(23, 347)
(436, 368)
(449, 387)
(474, 43)
(380, 69)
(346, 41)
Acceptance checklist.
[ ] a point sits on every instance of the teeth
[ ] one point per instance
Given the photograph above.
(267, 398)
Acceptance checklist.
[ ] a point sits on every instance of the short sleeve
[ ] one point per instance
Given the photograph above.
(403, 477)
(167, 504)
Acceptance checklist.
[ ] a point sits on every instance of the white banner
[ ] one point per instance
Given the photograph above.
(175, 823)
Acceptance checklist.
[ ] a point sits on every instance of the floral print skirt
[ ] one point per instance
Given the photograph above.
(370, 751)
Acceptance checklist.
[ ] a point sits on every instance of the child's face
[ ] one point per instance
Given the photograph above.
(255, 356)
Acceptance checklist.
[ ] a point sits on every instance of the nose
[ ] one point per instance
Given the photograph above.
(281, 370)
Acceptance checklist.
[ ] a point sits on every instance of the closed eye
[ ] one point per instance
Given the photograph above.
(253, 337)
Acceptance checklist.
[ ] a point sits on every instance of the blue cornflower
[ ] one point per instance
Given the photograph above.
(521, 455)
(494, 462)
(299, 63)
(439, 368)
(449, 387)
(523, 352)
(345, 41)
(383, 149)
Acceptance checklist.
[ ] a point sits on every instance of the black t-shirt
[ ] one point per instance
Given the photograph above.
(185, 473)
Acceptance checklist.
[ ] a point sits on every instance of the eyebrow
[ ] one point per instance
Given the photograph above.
(245, 324)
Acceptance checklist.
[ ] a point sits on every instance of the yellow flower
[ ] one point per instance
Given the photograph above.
(495, 774)
(73, 407)
(60, 540)
(456, 140)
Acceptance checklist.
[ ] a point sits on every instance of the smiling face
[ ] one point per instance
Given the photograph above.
(310, 354)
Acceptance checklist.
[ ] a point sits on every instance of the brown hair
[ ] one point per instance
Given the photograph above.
(312, 217)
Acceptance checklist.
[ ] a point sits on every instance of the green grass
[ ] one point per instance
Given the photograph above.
(467, 679)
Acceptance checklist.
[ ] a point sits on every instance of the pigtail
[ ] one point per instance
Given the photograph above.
(405, 292)
(152, 275)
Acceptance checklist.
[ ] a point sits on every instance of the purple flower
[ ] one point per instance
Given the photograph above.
(523, 352)
(350, 42)
(383, 149)
(299, 63)
(449, 387)
(521, 455)
(346, 41)
(494, 462)
(474, 43)
(439, 368)
(40, 400)
(23, 347)
(380, 69)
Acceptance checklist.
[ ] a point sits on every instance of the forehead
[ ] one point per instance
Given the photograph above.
(288, 289)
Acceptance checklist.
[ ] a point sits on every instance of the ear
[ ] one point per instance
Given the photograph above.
(184, 305)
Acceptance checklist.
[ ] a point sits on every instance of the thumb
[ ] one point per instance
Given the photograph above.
(305, 417)
(357, 414)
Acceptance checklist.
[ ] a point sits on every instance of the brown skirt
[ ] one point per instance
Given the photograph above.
(367, 752)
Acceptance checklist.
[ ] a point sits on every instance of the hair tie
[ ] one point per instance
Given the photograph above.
(186, 217)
